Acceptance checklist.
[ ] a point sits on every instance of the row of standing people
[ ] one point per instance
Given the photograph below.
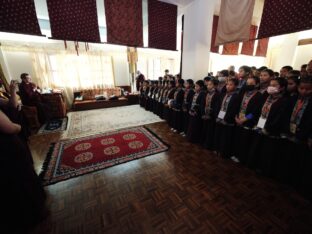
(261, 124)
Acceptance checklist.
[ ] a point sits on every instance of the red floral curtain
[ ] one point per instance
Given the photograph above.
(213, 48)
(124, 22)
(74, 20)
(248, 46)
(19, 17)
(285, 16)
(230, 48)
(262, 47)
(162, 25)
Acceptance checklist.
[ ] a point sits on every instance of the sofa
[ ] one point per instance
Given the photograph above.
(88, 99)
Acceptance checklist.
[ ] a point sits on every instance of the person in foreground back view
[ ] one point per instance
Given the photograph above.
(22, 194)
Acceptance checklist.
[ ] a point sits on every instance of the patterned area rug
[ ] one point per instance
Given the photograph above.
(54, 125)
(71, 158)
(84, 123)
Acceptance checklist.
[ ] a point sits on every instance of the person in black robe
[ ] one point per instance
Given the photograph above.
(141, 94)
(212, 105)
(292, 85)
(154, 94)
(247, 119)
(146, 89)
(22, 195)
(150, 95)
(294, 161)
(162, 99)
(139, 79)
(223, 77)
(266, 75)
(169, 99)
(244, 72)
(195, 113)
(176, 107)
(186, 106)
(225, 122)
(157, 97)
(266, 143)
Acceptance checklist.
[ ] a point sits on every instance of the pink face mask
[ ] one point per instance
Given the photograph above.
(272, 90)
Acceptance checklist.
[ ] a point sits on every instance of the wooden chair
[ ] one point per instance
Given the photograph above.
(31, 115)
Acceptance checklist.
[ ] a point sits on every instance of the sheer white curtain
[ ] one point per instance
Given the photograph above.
(153, 67)
(86, 71)
(63, 69)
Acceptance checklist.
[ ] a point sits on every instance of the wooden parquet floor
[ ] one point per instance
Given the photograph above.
(185, 190)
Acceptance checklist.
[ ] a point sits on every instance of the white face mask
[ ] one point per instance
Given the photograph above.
(272, 90)
(221, 78)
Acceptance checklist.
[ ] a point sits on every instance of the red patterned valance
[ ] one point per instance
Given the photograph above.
(230, 48)
(285, 16)
(74, 20)
(213, 48)
(162, 25)
(262, 47)
(248, 46)
(19, 17)
(124, 22)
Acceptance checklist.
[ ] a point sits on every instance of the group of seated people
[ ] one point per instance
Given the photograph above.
(257, 117)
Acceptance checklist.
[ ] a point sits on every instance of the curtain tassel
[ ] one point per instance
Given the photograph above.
(65, 44)
(77, 47)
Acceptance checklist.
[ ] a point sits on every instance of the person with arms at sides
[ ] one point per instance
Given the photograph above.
(266, 76)
(168, 100)
(212, 105)
(303, 70)
(186, 106)
(247, 119)
(163, 99)
(141, 93)
(138, 79)
(195, 113)
(244, 73)
(295, 156)
(157, 95)
(145, 90)
(292, 83)
(150, 95)
(22, 194)
(153, 95)
(285, 70)
(267, 141)
(225, 122)
(176, 107)
(222, 78)
(160, 95)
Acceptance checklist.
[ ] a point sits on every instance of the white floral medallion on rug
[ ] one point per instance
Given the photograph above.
(83, 123)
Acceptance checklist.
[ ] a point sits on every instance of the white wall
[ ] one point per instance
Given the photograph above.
(17, 63)
(284, 50)
(196, 40)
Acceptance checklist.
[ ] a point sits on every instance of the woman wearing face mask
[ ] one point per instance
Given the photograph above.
(269, 127)
(247, 118)
(266, 76)
(196, 112)
(222, 78)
